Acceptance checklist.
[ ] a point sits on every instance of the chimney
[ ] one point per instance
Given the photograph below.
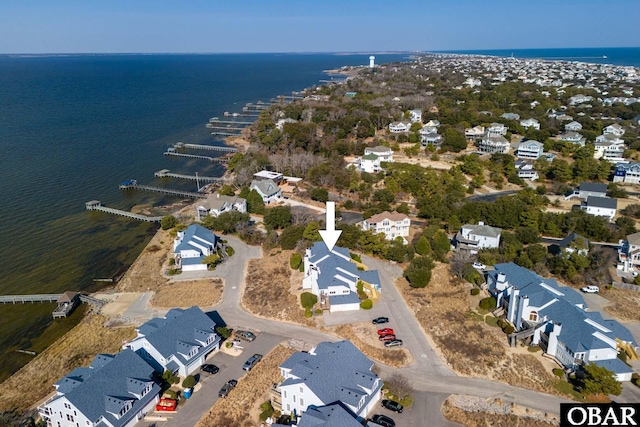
(502, 277)
(480, 222)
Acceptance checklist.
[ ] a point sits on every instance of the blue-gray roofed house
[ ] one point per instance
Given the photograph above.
(558, 320)
(114, 391)
(330, 373)
(179, 342)
(334, 415)
(192, 245)
(267, 189)
(333, 277)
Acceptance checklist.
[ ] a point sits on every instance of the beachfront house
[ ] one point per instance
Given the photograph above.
(610, 151)
(525, 170)
(573, 126)
(497, 129)
(475, 133)
(510, 116)
(391, 224)
(557, 319)
(600, 206)
(530, 150)
(267, 189)
(333, 277)
(614, 129)
(178, 342)
(332, 372)
(493, 145)
(473, 237)
(415, 116)
(217, 203)
(573, 137)
(627, 173)
(115, 390)
(192, 246)
(332, 415)
(587, 189)
(399, 127)
(370, 163)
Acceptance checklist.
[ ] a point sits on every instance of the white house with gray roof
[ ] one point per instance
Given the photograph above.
(600, 206)
(115, 390)
(385, 154)
(333, 372)
(333, 415)
(559, 321)
(179, 342)
(333, 277)
(267, 189)
(192, 245)
(218, 203)
(530, 150)
(480, 236)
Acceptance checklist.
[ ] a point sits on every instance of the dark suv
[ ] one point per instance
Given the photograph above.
(224, 391)
(212, 369)
(379, 320)
(251, 362)
(392, 405)
(383, 420)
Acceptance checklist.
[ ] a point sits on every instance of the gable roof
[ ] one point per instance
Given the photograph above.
(391, 216)
(564, 243)
(334, 415)
(483, 230)
(379, 149)
(106, 387)
(197, 238)
(336, 269)
(333, 372)
(602, 202)
(178, 332)
(594, 187)
(217, 201)
(267, 187)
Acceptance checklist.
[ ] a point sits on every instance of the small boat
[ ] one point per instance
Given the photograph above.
(604, 57)
(213, 119)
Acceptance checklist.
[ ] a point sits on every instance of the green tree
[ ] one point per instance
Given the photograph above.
(418, 273)
(295, 260)
(308, 300)
(599, 380)
(189, 382)
(227, 222)
(226, 190)
(440, 245)
(168, 222)
(255, 204)
(278, 217)
(422, 246)
(319, 194)
(453, 140)
(290, 236)
(311, 232)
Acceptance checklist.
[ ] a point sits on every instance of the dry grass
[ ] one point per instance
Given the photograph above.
(185, 294)
(246, 397)
(146, 272)
(480, 419)
(77, 348)
(625, 304)
(272, 289)
(472, 348)
(362, 334)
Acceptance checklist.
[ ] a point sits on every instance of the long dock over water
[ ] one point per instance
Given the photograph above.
(133, 185)
(171, 152)
(181, 145)
(22, 299)
(96, 205)
(165, 173)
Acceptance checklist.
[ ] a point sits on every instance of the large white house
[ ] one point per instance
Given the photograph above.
(530, 123)
(573, 137)
(115, 390)
(530, 150)
(629, 253)
(614, 129)
(573, 126)
(192, 245)
(391, 224)
(558, 320)
(399, 127)
(267, 189)
(493, 145)
(415, 115)
(179, 342)
(611, 151)
(475, 133)
(497, 129)
(218, 203)
(333, 278)
(627, 172)
(480, 236)
(333, 372)
(600, 206)
(370, 163)
(385, 154)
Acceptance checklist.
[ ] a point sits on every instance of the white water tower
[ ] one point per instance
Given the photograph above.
(372, 60)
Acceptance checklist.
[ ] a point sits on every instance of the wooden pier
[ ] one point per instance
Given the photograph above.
(215, 121)
(22, 299)
(181, 145)
(165, 173)
(66, 301)
(96, 205)
(172, 152)
(132, 185)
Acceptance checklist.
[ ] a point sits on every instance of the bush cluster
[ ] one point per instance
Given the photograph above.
(366, 304)
(488, 303)
(475, 291)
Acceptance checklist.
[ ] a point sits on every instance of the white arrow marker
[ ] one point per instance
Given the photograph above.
(330, 235)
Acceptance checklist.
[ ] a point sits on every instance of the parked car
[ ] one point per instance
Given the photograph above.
(385, 331)
(246, 335)
(479, 266)
(379, 320)
(392, 405)
(166, 404)
(211, 369)
(251, 362)
(229, 385)
(590, 289)
(393, 343)
(388, 337)
(383, 420)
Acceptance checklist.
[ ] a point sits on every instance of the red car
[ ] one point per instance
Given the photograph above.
(166, 404)
(385, 331)
(388, 337)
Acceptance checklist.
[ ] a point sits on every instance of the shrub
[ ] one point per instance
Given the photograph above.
(492, 321)
(308, 300)
(172, 261)
(508, 329)
(171, 394)
(366, 304)
(189, 381)
(475, 291)
(168, 222)
(223, 332)
(295, 260)
(228, 344)
(488, 303)
(502, 323)
(558, 372)
(266, 410)
(307, 312)
(355, 257)
(534, 348)
(318, 311)
(230, 251)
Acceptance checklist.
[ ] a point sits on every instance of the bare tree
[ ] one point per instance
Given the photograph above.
(459, 260)
(399, 386)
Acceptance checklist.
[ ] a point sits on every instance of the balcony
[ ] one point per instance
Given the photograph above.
(275, 396)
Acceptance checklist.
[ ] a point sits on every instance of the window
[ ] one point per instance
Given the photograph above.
(533, 316)
(301, 389)
(284, 394)
(288, 408)
(294, 398)
(301, 402)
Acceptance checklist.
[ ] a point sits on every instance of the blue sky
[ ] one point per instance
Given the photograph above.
(64, 26)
